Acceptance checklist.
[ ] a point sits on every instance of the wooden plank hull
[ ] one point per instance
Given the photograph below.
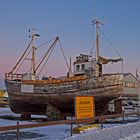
(36, 103)
(36, 96)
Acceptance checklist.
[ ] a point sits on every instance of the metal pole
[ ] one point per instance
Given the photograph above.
(71, 128)
(17, 131)
(102, 122)
(138, 115)
(102, 125)
(123, 117)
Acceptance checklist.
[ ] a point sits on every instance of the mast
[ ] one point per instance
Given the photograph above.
(98, 70)
(33, 60)
(97, 23)
(97, 40)
(33, 52)
(33, 35)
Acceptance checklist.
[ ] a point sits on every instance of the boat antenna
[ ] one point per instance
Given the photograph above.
(97, 23)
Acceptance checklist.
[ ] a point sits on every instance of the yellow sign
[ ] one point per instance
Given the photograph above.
(84, 107)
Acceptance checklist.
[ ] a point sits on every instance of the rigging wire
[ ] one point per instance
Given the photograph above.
(22, 56)
(42, 55)
(66, 28)
(46, 60)
(48, 51)
(93, 46)
(63, 54)
(24, 60)
(45, 43)
(51, 53)
(62, 29)
(112, 47)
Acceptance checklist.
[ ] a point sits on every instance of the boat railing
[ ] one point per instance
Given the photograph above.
(12, 76)
(55, 81)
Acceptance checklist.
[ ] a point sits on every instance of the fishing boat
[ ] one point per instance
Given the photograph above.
(54, 97)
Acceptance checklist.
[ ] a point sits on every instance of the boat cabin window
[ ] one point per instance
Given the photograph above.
(83, 66)
(78, 67)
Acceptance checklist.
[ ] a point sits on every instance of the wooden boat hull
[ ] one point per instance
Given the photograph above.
(37, 103)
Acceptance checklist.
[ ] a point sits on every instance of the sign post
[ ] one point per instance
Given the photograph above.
(84, 107)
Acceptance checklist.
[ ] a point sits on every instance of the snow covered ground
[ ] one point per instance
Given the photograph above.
(59, 132)
(123, 132)
(39, 133)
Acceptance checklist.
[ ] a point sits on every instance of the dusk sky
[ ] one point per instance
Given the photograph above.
(71, 21)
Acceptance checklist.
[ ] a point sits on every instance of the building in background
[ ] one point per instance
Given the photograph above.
(130, 94)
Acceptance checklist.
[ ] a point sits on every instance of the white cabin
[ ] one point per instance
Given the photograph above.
(85, 65)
